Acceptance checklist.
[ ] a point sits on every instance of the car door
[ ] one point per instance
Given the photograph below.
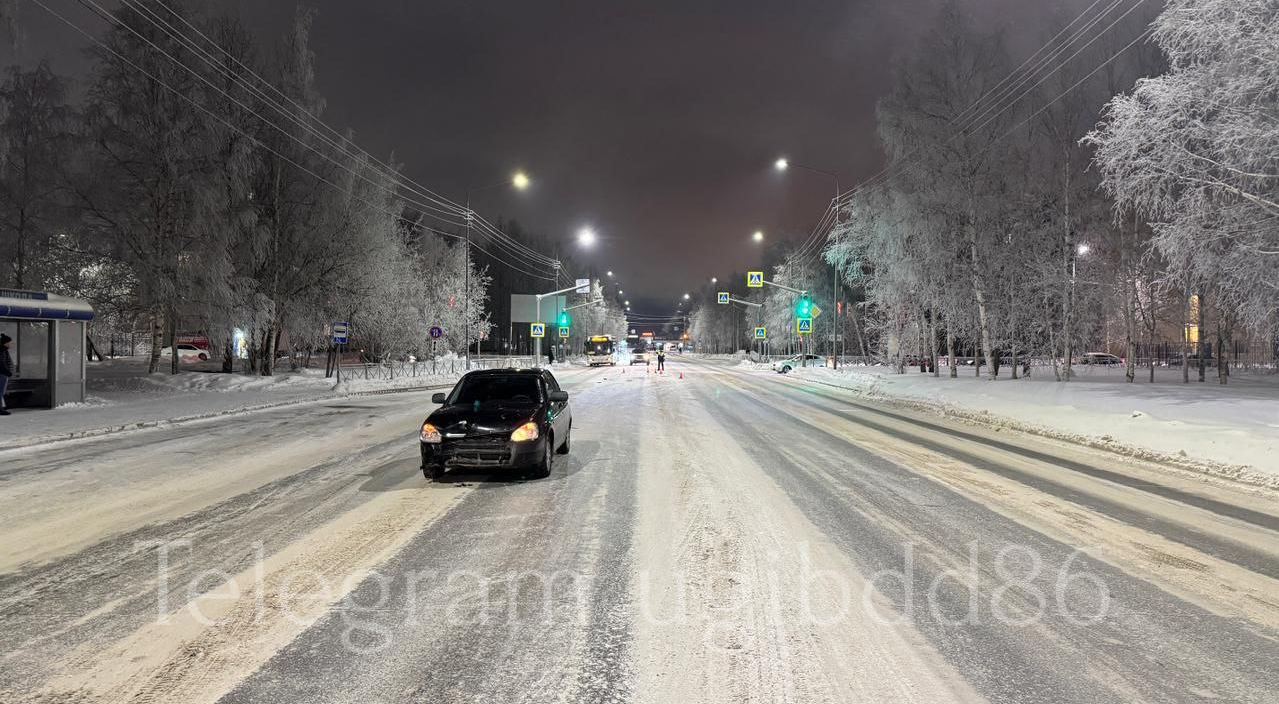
(560, 417)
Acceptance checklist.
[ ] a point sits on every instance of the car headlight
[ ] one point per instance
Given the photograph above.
(430, 433)
(525, 432)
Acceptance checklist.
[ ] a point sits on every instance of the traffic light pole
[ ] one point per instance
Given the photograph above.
(537, 341)
(803, 358)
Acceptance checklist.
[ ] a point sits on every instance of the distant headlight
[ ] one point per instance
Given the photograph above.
(430, 433)
(525, 432)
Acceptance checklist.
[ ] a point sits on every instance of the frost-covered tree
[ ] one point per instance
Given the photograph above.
(36, 140)
(1196, 152)
(954, 189)
(152, 192)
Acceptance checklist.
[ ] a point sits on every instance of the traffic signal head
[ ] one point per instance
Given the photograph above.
(564, 320)
(804, 307)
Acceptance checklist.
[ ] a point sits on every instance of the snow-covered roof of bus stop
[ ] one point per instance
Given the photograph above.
(39, 305)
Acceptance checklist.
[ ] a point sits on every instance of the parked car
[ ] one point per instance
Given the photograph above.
(498, 419)
(783, 366)
(1103, 359)
(186, 353)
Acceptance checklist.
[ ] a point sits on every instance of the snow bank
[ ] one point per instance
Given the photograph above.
(122, 396)
(1231, 430)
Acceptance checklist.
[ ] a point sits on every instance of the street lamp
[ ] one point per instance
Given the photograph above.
(627, 304)
(783, 164)
(686, 296)
(521, 182)
(758, 236)
(714, 279)
(610, 274)
(1083, 249)
(586, 237)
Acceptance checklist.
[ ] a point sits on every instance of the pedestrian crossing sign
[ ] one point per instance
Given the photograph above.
(761, 333)
(723, 298)
(564, 331)
(754, 279)
(804, 326)
(537, 329)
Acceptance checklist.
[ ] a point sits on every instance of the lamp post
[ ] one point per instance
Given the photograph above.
(1081, 250)
(520, 181)
(782, 165)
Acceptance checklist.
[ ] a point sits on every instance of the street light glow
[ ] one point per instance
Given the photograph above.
(586, 237)
(1083, 249)
(714, 279)
(781, 164)
(758, 236)
(686, 296)
(520, 180)
(610, 274)
(627, 304)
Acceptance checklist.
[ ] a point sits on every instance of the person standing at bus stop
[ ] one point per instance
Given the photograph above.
(661, 359)
(6, 370)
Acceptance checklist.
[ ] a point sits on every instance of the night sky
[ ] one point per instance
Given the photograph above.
(655, 122)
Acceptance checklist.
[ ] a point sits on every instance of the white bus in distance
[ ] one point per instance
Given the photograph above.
(601, 350)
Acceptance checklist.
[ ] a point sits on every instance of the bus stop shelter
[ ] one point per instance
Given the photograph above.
(48, 347)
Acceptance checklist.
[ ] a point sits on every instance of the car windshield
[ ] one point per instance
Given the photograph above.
(503, 388)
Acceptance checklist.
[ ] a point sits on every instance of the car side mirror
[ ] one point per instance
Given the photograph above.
(438, 397)
(558, 396)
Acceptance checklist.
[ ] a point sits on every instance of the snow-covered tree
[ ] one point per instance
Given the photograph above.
(153, 193)
(36, 125)
(1196, 151)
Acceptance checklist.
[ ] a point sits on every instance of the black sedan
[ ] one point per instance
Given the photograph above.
(498, 419)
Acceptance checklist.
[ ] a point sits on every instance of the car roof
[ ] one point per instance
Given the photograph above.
(506, 371)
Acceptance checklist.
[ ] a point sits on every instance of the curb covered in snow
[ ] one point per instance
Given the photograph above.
(26, 443)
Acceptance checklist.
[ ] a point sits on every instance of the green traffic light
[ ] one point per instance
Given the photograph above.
(564, 320)
(804, 307)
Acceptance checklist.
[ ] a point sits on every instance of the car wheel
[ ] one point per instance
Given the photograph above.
(433, 472)
(204, 357)
(785, 370)
(543, 468)
(568, 435)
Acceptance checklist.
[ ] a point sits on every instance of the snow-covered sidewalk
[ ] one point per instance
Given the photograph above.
(1231, 430)
(122, 396)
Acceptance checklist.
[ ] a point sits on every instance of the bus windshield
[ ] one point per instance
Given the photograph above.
(599, 347)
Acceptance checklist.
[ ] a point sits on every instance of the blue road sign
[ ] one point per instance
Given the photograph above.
(723, 298)
(436, 332)
(755, 279)
(804, 326)
(340, 331)
(537, 329)
(761, 333)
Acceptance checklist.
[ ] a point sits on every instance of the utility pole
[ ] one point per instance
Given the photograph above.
(466, 287)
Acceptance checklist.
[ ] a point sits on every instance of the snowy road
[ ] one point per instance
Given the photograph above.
(728, 536)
